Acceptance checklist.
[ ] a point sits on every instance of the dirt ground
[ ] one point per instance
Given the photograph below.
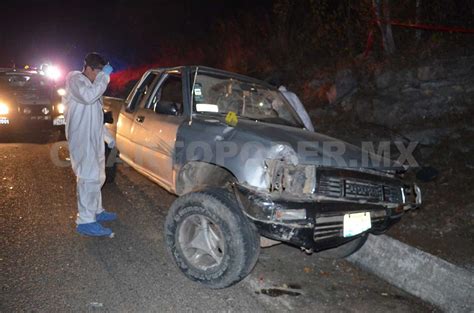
(444, 225)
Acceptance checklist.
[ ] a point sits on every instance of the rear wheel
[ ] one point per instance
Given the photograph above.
(210, 239)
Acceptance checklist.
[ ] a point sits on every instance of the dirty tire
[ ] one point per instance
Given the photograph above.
(110, 165)
(62, 133)
(238, 246)
(344, 250)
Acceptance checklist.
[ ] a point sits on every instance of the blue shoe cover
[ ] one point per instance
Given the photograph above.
(94, 229)
(106, 217)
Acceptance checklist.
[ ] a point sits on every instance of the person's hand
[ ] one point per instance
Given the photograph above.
(107, 69)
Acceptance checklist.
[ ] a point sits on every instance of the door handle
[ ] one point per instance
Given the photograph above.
(140, 119)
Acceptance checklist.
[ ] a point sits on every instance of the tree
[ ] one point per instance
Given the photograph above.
(382, 16)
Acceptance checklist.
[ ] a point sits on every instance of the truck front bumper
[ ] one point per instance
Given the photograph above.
(21, 123)
(316, 224)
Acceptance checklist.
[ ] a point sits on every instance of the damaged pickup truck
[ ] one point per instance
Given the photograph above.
(246, 171)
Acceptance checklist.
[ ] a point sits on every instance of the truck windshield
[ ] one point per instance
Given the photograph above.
(23, 81)
(213, 94)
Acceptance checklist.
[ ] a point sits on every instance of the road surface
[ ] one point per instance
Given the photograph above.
(47, 267)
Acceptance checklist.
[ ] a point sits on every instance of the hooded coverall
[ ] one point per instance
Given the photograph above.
(85, 133)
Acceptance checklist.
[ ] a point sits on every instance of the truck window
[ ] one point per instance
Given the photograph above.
(170, 91)
(143, 90)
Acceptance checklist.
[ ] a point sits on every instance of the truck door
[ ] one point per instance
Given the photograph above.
(137, 97)
(156, 126)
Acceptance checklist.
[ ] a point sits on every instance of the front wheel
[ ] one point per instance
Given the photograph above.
(110, 164)
(210, 239)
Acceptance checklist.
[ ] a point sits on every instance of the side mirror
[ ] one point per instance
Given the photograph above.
(166, 107)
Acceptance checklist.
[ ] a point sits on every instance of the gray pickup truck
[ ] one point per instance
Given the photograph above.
(247, 173)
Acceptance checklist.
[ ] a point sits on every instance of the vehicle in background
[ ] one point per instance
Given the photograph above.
(29, 101)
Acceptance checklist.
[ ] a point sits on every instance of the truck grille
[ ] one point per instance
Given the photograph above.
(392, 194)
(330, 186)
(362, 190)
(34, 110)
(355, 189)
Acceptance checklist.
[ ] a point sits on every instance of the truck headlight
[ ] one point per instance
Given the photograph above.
(51, 71)
(60, 108)
(288, 215)
(4, 108)
(289, 178)
(61, 92)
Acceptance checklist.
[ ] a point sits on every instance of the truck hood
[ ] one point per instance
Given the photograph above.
(30, 96)
(308, 147)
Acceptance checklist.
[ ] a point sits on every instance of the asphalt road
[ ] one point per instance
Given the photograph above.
(47, 267)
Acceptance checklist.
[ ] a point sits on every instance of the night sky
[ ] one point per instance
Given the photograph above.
(128, 33)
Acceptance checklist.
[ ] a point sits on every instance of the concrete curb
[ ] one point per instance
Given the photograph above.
(421, 274)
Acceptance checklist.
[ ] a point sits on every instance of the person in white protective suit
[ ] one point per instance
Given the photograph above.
(298, 107)
(86, 135)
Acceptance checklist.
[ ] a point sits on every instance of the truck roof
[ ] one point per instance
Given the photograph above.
(4, 70)
(211, 70)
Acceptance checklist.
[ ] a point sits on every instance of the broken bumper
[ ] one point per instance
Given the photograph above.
(315, 224)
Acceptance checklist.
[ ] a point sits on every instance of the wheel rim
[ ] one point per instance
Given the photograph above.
(201, 241)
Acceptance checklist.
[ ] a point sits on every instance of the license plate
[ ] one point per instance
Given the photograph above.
(4, 121)
(356, 223)
(59, 121)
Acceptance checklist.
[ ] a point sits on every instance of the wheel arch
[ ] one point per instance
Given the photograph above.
(196, 175)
